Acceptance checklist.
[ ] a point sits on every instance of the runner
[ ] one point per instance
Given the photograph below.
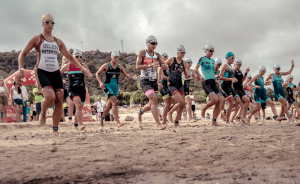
(147, 62)
(218, 64)
(238, 87)
(292, 101)
(176, 67)
(17, 100)
(77, 90)
(230, 95)
(279, 94)
(48, 72)
(209, 81)
(186, 87)
(65, 78)
(249, 93)
(164, 91)
(3, 99)
(111, 86)
(260, 93)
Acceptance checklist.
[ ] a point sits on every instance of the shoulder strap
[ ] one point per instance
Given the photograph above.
(55, 39)
(109, 66)
(200, 60)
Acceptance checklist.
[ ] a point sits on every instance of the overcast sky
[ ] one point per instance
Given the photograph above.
(257, 32)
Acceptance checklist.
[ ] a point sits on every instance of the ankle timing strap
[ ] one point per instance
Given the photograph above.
(141, 111)
(70, 117)
(224, 110)
(55, 128)
(101, 117)
(176, 122)
(275, 117)
(213, 120)
(76, 125)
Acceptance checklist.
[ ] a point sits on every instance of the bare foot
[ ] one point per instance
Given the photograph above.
(101, 128)
(101, 122)
(132, 124)
(203, 113)
(215, 123)
(43, 119)
(160, 127)
(82, 127)
(170, 117)
(120, 124)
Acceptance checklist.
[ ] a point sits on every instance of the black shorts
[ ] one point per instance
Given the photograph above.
(193, 108)
(210, 86)
(52, 79)
(240, 93)
(33, 113)
(147, 85)
(228, 92)
(291, 100)
(164, 91)
(263, 105)
(38, 108)
(78, 92)
(176, 87)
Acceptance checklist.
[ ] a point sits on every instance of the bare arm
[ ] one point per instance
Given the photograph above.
(223, 69)
(159, 74)
(269, 79)
(245, 76)
(289, 72)
(186, 72)
(163, 64)
(31, 44)
(64, 68)
(285, 84)
(84, 72)
(127, 76)
(254, 79)
(104, 68)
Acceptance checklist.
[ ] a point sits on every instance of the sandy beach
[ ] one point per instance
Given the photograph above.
(192, 153)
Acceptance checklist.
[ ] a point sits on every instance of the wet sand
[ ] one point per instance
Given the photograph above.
(192, 153)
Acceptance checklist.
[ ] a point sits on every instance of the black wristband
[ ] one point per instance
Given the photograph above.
(246, 74)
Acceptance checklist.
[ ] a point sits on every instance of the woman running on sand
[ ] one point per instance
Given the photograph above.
(17, 100)
(230, 95)
(260, 93)
(164, 91)
(218, 64)
(111, 86)
(279, 94)
(3, 99)
(77, 91)
(209, 81)
(147, 62)
(238, 87)
(176, 67)
(48, 73)
(290, 87)
(186, 87)
(249, 93)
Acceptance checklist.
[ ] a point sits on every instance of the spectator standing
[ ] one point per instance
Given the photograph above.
(25, 99)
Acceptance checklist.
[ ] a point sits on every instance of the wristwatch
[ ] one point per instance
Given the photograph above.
(21, 68)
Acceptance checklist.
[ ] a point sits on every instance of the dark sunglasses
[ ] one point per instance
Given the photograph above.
(78, 56)
(189, 62)
(219, 64)
(277, 68)
(48, 22)
(153, 43)
(211, 51)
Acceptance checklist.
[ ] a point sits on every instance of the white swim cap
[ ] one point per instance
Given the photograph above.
(115, 53)
(262, 68)
(218, 61)
(289, 77)
(164, 54)
(151, 39)
(77, 52)
(188, 60)
(249, 76)
(207, 48)
(180, 48)
(276, 66)
(237, 61)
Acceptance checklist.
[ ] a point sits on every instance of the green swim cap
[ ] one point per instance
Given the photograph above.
(229, 54)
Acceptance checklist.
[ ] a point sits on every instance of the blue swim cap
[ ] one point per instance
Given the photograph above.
(229, 54)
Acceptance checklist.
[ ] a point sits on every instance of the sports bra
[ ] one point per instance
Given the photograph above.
(149, 73)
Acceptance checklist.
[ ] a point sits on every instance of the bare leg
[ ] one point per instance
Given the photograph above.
(222, 104)
(58, 105)
(285, 109)
(105, 112)
(189, 108)
(146, 108)
(78, 114)
(208, 105)
(166, 109)
(257, 109)
(231, 105)
(179, 113)
(154, 109)
(271, 103)
(215, 99)
(49, 96)
(70, 109)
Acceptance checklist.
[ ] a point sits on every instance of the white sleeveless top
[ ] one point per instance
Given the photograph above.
(48, 55)
(16, 95)
(149, 73)
(33, 107)
(1, 90)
